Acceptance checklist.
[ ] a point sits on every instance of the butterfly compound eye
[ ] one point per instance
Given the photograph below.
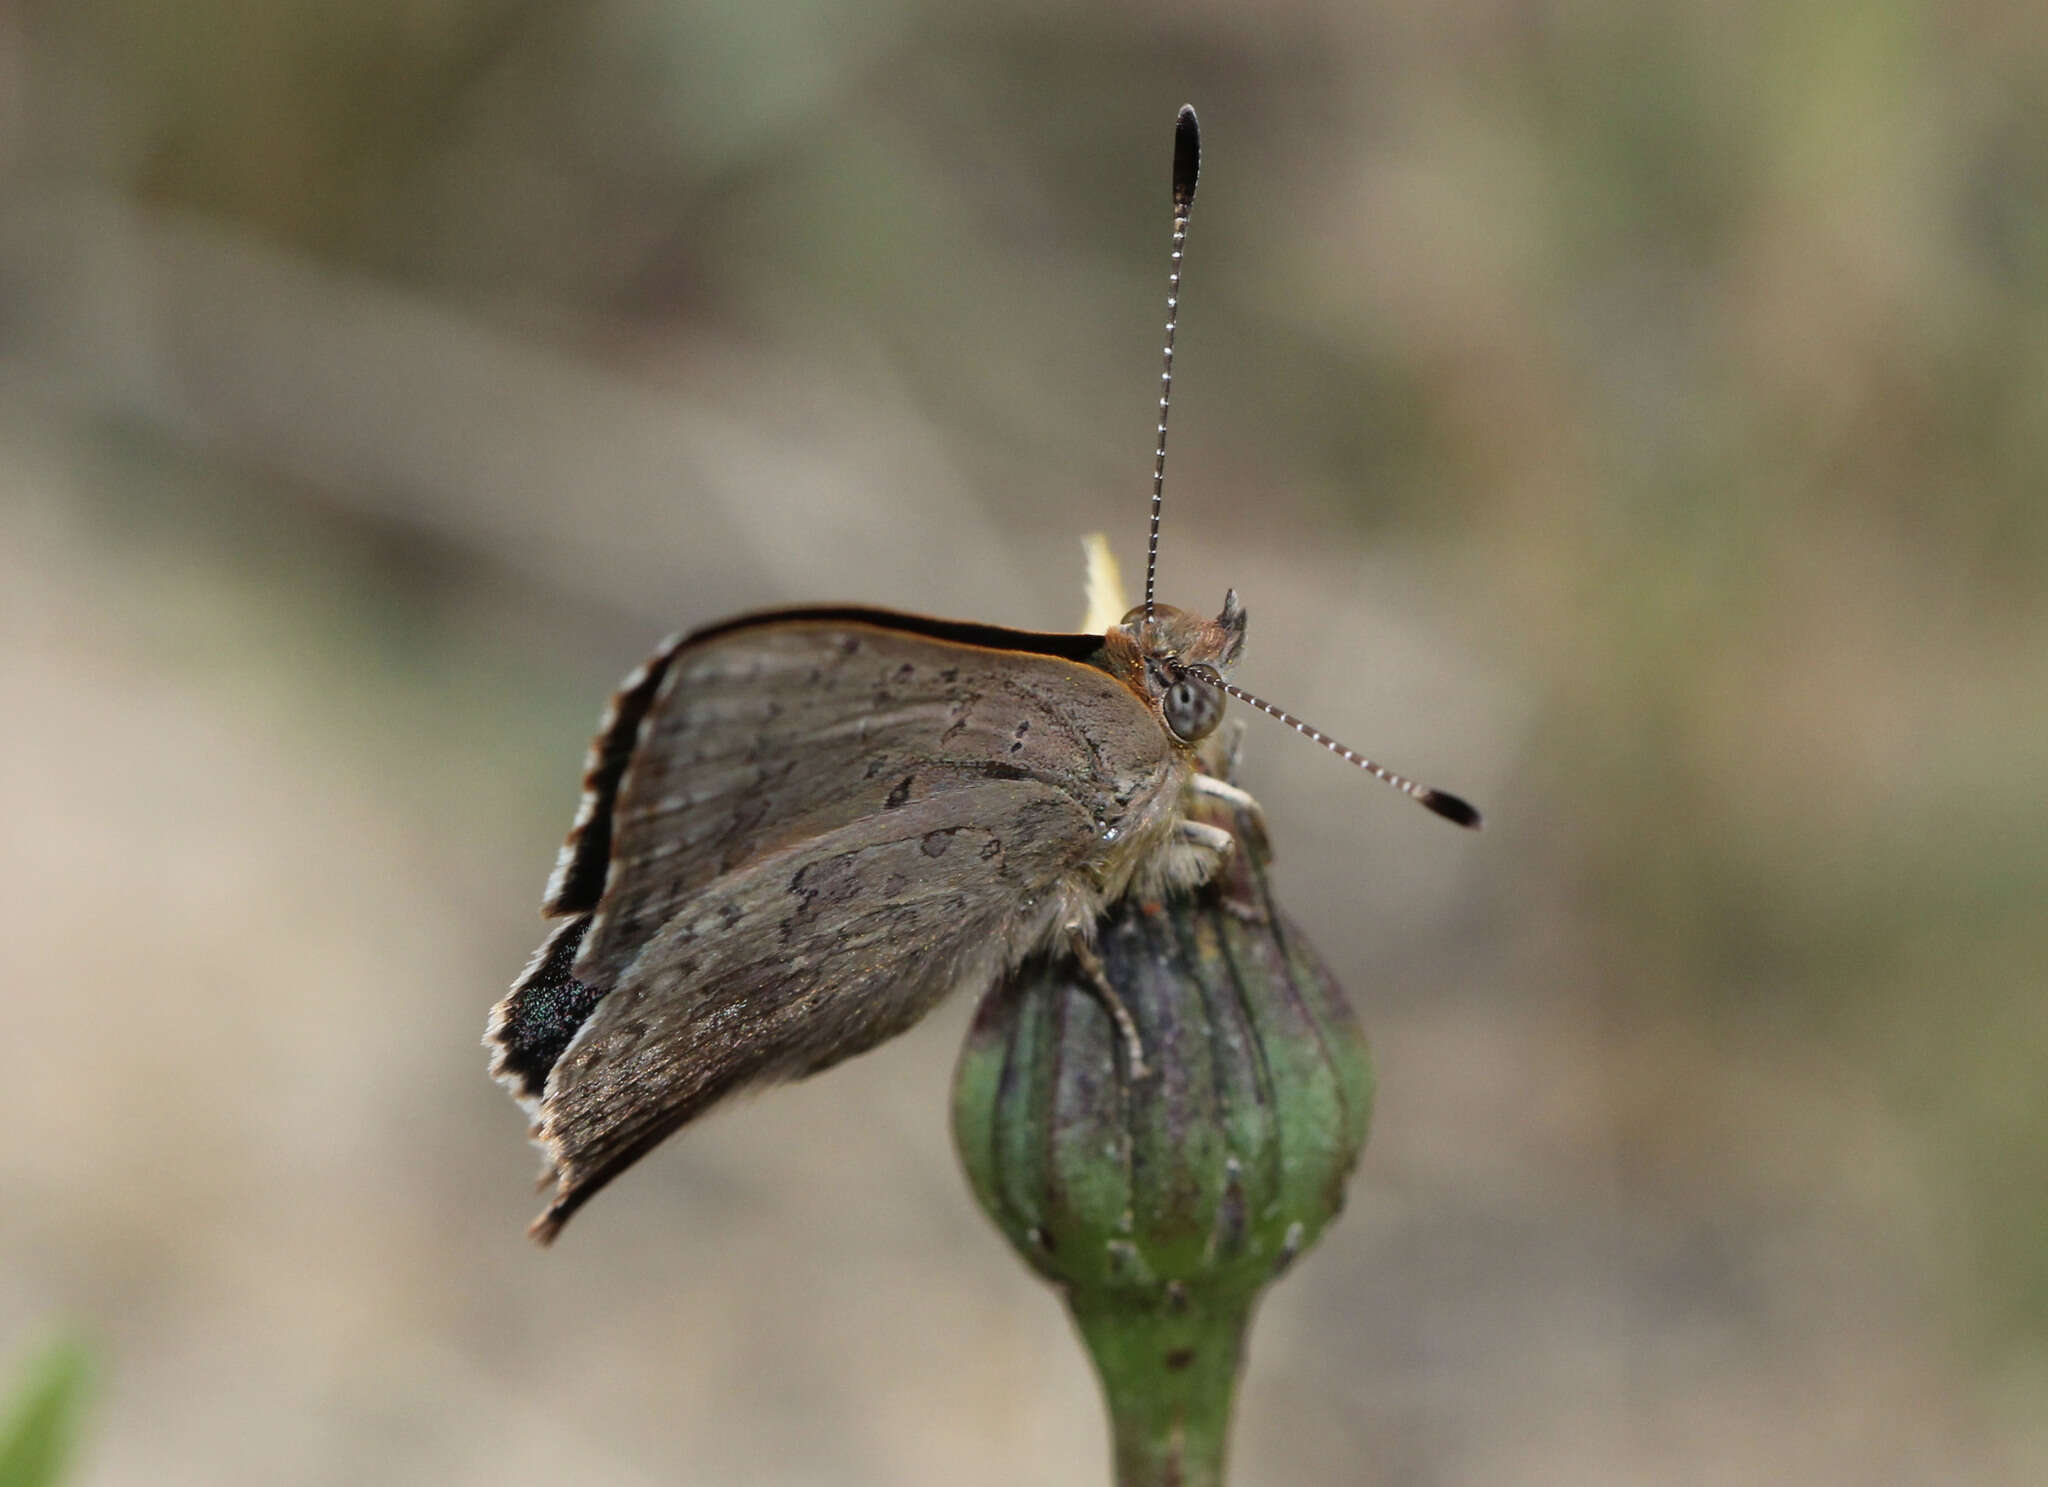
(1192, 708)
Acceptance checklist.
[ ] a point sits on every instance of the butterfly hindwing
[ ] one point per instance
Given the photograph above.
(800, 960)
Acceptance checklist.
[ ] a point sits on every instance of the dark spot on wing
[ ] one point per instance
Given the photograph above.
(543, 1013)
(822, 887)
(936, 842)
(995, 769)
(900, 794)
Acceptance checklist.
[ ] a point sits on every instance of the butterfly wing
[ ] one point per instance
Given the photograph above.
(797, 961)
(766, 736)
(799, 832)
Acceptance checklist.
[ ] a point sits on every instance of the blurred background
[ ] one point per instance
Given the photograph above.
(1634, 416)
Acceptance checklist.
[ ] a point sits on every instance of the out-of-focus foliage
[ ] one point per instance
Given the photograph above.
(40, 1419)
(1629, 415)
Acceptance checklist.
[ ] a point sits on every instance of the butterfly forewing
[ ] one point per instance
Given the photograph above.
(764, 738)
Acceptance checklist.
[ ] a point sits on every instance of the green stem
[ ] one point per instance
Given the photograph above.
(1169, 1376)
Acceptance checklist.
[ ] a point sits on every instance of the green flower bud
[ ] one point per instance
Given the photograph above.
(1162, 1205)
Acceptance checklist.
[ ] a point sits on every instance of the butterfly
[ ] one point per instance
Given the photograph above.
(801, 829)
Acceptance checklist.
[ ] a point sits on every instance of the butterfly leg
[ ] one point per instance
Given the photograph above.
(1223, 791)
(1212, 842)
(1127, 1027)
(1241, 803)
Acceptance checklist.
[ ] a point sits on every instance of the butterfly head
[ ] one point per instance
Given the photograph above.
(1176, 660)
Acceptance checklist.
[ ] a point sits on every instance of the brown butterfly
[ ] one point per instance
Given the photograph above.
(801, 829)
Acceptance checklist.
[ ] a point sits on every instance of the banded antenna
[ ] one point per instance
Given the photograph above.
(1187, 165)
(1445, 804)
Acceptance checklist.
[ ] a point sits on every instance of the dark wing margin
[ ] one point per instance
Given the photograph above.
(578, 880)
(1069, 647)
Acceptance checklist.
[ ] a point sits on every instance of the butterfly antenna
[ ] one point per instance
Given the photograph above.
(1187, 165)
(1445, 804)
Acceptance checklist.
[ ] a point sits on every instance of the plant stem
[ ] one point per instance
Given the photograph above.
(1169, 1376)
